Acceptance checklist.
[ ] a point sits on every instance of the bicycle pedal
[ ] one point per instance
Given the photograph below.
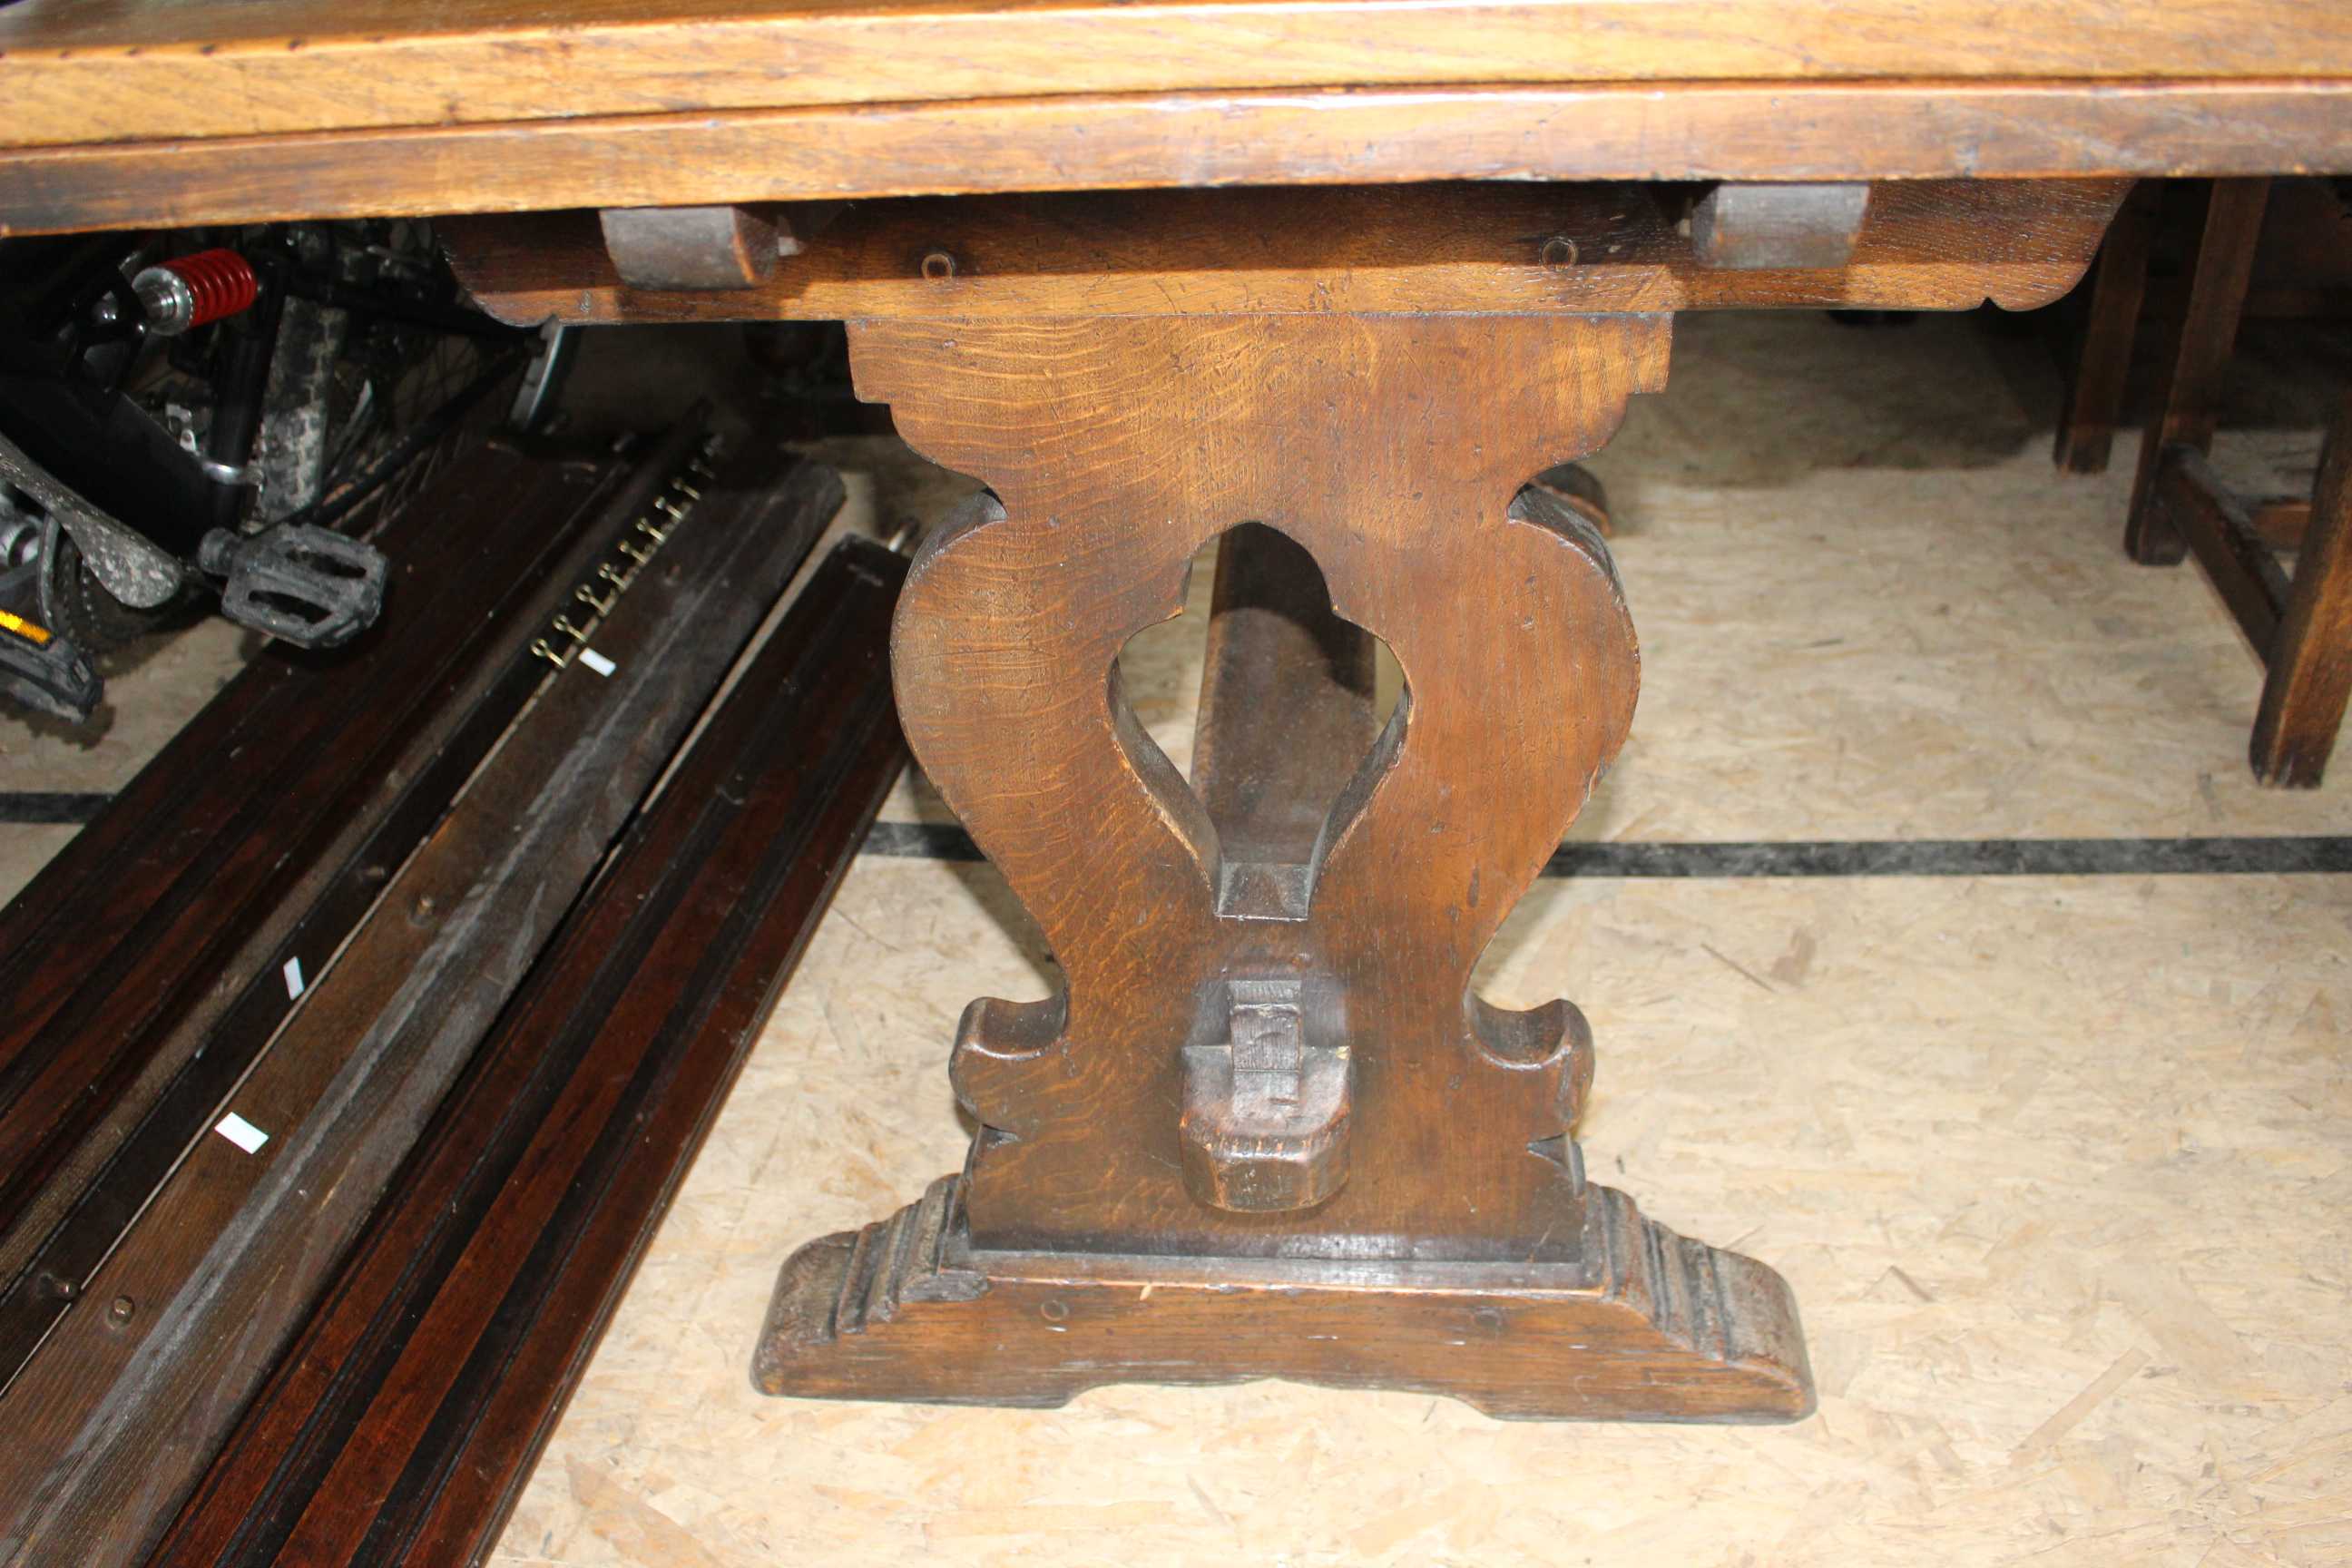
(309, 586)
(45, 671)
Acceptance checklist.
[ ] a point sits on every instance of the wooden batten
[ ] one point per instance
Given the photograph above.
(1459, 248)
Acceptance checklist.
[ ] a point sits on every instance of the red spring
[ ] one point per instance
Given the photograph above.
(221, 281)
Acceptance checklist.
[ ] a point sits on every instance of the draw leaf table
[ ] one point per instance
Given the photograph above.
(1341, 286)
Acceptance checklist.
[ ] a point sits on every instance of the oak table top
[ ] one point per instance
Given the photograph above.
(122, 112)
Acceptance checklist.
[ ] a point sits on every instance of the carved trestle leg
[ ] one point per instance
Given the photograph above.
(1266, 1130)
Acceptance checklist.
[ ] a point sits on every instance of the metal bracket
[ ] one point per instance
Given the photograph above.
(1764, 227)
(126, 562)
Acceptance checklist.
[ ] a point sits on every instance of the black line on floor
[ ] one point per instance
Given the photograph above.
(2312, 854)
(1960, 858)
(26, 806)
(1842, 858)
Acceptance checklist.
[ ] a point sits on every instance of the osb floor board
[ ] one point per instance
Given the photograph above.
(2060, 1172)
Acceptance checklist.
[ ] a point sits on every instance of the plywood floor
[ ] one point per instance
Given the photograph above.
(2060, 1169)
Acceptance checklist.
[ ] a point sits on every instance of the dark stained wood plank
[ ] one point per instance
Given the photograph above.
(1446, 247)
(281, 815)
(2310, 674)
(173, 809)
(1579, 490)
(1924, 128)
(112, 1166)
(403, 1424)
(1285, 722)
(2188, 398)
(145, 70)
(114, 1420)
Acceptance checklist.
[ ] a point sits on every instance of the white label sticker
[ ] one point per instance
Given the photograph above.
(293, 977)
(597, 661)
(242, 1133)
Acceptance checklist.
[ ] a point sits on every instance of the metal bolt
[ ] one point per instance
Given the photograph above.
(121, 1312)
(20, 538)
(1560, 251)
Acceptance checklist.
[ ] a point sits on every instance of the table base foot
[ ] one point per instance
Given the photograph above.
(1647, 1326)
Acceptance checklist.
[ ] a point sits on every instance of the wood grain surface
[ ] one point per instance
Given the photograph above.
(1915, 129)
(1391, 448)
(1464, 248)
(1646, 1326)
(102, 70)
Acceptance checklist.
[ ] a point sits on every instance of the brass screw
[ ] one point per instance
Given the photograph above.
(119, 1313)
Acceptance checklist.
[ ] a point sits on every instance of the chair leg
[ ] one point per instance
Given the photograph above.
(2095, 395)
(2311, 660)
(2188, 398)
